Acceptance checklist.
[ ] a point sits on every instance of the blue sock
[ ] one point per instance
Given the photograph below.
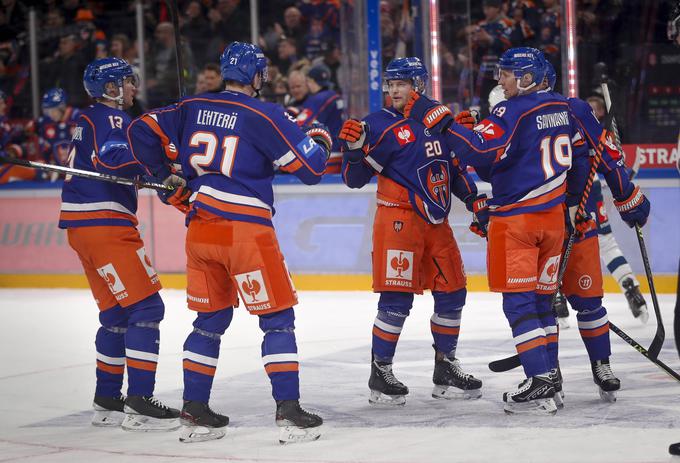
(142, 341)
(393, 308)
(527, 329)
(279, 354)
(593, 324)
(110, 345)
(445, 322)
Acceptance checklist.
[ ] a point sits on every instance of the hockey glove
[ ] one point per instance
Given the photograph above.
(466, 119)
(634, 209)
(436, 116)
(179, 197)
(320, 134)
(352, 139)
(480, 214)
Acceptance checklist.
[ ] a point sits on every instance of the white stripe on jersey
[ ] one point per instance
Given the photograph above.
(90, 207)
(546, 188)
(538, 332)
(285, 159)
(276, 358)
(230, 197)
(204, 359)
(378, 168)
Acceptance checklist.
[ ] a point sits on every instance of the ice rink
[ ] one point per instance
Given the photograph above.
(47, 383)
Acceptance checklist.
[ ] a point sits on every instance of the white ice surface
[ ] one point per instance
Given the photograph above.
(47, 382)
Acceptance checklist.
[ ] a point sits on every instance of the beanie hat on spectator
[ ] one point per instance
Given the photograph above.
(84, 14)
(321, 74)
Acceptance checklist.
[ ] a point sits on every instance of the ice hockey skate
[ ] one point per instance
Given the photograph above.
(200, 423)
(607, 383)
(556, 376)
(149, 414)
(385, 388)
(296, 423)
(451, 382)
(534, 396)
(108, 411)
(561, 310)
(636, 302)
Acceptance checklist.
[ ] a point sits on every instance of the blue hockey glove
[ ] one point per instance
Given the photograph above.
(634, 209)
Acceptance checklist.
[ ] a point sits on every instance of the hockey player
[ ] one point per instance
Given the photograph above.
(227, 144)
(55, 127)
(524, 149)
(101, 227)
(325, 106)
(413, 245)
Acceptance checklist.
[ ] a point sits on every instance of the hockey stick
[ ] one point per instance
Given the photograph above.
(85, 174)
(174, 17)
(636, 345)
(660, 335)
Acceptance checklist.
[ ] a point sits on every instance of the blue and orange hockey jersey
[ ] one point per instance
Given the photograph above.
(527, 172)
(99, 144)
(405, 153)
(326, 107)
(227, 144)
(56, 135)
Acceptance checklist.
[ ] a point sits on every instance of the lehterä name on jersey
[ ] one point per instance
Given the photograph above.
(216, 118)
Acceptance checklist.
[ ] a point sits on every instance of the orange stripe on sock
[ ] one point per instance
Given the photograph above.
(198, 368)
(141, 365)
(525, 346)
(596, 332)
(113, 369)
(385, 336)
(444, 329)
(552, 338)
(281, 367)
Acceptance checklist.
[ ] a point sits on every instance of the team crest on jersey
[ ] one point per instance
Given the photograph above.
(253, 291)
(398, 226)
(489, 130)
(404, 134)
(116, 286)
(434, 179)
(399, 267)
(549, 273)
(303, 116)
(50, 132)
(146, 263)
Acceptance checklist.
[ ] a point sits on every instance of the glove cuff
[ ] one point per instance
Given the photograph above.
(631, 202)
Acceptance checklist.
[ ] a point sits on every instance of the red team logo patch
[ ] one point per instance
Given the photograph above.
(253, 290)
(399, 270)
(116, 286)
(404, 134)
(489, 130)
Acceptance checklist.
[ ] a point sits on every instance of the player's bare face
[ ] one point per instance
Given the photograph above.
(399, 91)
(129, 92)
(54, 114)
(508, 82)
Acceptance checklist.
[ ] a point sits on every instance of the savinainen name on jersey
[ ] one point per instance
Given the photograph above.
(548, 121)
(216, 118)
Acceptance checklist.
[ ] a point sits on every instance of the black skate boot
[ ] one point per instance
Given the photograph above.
(635, 300)
(149, 414)
(451, 382)
(560, 310)
(534, 396)
(201, 423)
(108, 411)
(385, 388)
(296, 423)
(556, 376)
(607, 383)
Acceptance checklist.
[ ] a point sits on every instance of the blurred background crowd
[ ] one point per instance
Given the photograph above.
(615, 37)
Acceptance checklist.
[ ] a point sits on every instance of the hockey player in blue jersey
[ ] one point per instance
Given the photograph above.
(55, 127)
(228, 144)
(413, 245)
(325, 106)
(102, 228)
(524, 150)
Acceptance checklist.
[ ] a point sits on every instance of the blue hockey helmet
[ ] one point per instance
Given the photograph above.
(102, 71)
(551, 76)
(241, 62)
(407, 69)
(522, 61)
(54, 98)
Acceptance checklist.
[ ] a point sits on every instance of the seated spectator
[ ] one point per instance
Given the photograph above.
(297, 90)
(229, 22)
(195, 29)
(287, 54)
(162, 75)
(200, 87)
(313, 41)
(213, 78)
(293, 27)
(69, 61)
(331, 58)
(120, 43)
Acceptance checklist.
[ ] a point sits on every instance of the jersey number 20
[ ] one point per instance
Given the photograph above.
(558, 149)
(200, 161)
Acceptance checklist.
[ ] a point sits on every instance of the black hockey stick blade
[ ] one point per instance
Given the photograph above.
(84, 173)
(657, 342)
(506, 364)
(636, 345)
